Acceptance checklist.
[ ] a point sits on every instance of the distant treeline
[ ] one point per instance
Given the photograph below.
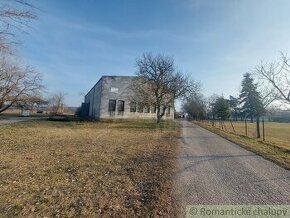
(281, 117)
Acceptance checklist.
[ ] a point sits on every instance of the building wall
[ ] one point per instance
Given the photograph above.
(116, 88)
(94, 99)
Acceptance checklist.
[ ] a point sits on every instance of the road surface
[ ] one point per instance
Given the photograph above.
(213, 170)
(10, 120)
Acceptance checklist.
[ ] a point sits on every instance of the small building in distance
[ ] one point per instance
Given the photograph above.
(111, 98)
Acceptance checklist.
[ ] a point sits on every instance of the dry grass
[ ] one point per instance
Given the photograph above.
(275, 133)
(276, 147)
(90, 169)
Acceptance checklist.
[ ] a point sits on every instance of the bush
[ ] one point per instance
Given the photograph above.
(58, 117)
(78, 111)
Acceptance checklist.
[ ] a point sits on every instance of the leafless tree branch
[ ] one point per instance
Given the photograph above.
(17, 84)
(57, 102)
(159, 83)
(274, 79)
(14, 17)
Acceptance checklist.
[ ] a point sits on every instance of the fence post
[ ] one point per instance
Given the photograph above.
(246, 127)
(263, 129)
(233, 126)
(258, 127)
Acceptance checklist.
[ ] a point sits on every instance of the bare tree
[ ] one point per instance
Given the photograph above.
(210, 104)
(274, 79)
(17, 84)
(31, 103)
(159, 83)
(14, 16)
(195, 106)
(57, 102)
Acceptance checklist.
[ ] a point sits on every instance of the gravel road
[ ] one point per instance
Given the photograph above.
(213, 170)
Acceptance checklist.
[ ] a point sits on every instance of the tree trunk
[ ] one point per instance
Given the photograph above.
(158, 118)
(158, 115)
(5, 107)
(258, 127)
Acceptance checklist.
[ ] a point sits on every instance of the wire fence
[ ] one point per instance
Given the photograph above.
(242, 128)
(271, 132)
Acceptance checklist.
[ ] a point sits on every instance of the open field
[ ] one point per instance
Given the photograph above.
(72, 169)
(276, 146)
(17, 112)
(275, 133)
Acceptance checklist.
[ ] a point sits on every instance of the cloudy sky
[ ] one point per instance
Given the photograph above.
(75, 42)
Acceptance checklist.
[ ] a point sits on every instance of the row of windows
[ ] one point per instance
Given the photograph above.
(112, 105)
(140, 108)
(134, 107)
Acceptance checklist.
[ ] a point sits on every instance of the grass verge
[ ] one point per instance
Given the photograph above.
(278, 154)
(88, 169)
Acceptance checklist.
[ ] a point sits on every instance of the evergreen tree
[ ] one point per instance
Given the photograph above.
(221, 108)
(250, 98)
(234, 107)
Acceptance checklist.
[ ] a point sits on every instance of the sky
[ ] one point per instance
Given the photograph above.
(74, 43)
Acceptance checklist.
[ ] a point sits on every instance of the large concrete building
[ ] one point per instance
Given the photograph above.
(111, 98)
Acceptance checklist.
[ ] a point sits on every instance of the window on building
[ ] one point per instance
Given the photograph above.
(112, 105)
(133, 107)
(153, 108)
(121, 106)
(146, 108)
(140, 107)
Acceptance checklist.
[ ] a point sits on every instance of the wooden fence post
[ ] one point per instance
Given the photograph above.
(246, 127)
(263, 129)
(225, 126)
(233, 126)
